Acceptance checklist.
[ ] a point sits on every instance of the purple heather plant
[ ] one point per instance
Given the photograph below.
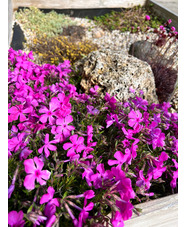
(77, 159)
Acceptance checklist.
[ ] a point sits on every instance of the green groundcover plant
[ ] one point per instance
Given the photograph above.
(35, 20)
(79, 160)
(133, 19)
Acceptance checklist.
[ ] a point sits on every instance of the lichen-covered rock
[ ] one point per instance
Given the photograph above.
(115, 72)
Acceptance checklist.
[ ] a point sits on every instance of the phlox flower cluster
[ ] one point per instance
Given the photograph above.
(76, 158)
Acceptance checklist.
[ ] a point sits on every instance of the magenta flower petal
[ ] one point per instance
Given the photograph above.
(46, 138)
(13, 110)
(89, 206)
(29, 166)
(55, 202)
(43, 110)
(40, 150)
(71, 152)
(41, 181)
(68, 119)
(16, 218)
(89, 194)
(112, 162)
(52, 147)
(80, 148)
(46, 197)
(54, 104)
(47, 152)
(67, 146)
(73, 139)
(45, 174)
(38, 162)
(119, 156)
(51, 221)
(66, 132)
(29, 182)
(132, 114)
(43, 118)
(22, 117)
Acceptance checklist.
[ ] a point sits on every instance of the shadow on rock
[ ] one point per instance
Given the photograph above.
(18, 38)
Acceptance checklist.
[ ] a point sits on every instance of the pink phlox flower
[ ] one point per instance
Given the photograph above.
(30, 55)
(164, 106)
(157, 137)
(140, 103)
(144, 182)
(173, 182)
(33, 167)
(132, 90)
(64, 127)
(89, 133)
(162, 28)
(88, 172)
(128, 156)
(93, 91)
(49, 212)
(111, 101)
(112, 118)
(71, 89)
(25, 153)
(128, 134)
(117, 220)
(126, 143)
(175, 163)
(15, 219)
(89, 194)
(59, 137)
(134, 148)
(88, 149)
(124, 186)
(54, 88)
(92, 110)
(84, 213)
(121, 158)
(156, 120)
(76, 145)
(135, 118)
(12, 186)
(17, 142)
(147, 17)
(49, 197)
(159, 169)
(146, 119)
(48, 146)
(125, 209)
(18, 111)
(130, 153)
(48, 113)
(101, 176)
(63, 105)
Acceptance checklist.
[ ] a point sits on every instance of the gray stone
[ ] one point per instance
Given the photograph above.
(149, 52)
(115, 72)
(165, 73)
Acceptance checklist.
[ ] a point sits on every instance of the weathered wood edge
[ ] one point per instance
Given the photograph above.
(78, 4)
(161, 212)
